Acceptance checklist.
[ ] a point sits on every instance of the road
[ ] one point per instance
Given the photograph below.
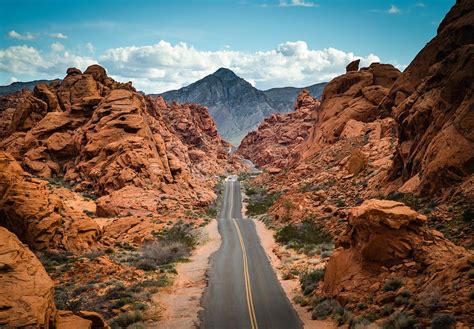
(243, 290)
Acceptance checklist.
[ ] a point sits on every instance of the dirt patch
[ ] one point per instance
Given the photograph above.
(180, 303)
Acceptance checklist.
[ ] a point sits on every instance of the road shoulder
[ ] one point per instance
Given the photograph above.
(181, 302)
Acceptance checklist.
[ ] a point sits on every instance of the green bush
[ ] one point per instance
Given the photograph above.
(305, 233)
(259, 200)
(324, 309)
(400, 321)
(309, 281)
(443, 321)
(126, 319)
(392, 284)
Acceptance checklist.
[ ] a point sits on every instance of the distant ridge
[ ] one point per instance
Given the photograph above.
(17, 86)
(235, 105)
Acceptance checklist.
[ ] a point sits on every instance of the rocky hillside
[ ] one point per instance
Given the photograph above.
(19, 86)
(234, 104)
(88, 164)
(275, 144)
(283, 99)
(384, 184)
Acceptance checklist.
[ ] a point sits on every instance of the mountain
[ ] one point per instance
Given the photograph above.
(283, 99)
(17, 86)
(235, 105)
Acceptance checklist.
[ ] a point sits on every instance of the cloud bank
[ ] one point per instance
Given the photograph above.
(164, 66)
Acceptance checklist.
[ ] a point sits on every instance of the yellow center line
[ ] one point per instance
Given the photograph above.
(248, 287)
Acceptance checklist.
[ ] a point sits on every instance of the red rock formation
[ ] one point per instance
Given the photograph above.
(433, 103)
(38, 215)
(386, 240)
(351, 96)
(102, 135)
(276, 141)
(27, 292)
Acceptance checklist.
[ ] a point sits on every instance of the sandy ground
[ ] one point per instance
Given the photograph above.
(291, 287)
(180, 303)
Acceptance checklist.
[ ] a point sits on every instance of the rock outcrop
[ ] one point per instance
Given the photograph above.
(27, 292)
(277, 140)
(39, 216)
(433, 103)
(387, 241)
(355, 95)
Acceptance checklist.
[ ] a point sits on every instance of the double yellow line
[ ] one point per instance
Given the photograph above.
(248, 287)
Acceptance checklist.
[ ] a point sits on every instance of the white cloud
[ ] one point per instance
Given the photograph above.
(58, 36)
(13, 79)
(393, 10)
(163, 66)
(19, 36)
(29, 61)
(57, 47)
(90, 47)
(420, 4)
(297, 3)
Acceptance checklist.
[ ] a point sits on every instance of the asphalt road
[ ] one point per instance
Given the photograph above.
(243, 291)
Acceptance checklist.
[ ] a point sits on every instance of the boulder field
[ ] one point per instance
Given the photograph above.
(88, 164)
(386, 169)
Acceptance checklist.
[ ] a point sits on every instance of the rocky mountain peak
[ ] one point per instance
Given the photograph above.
(226, 74)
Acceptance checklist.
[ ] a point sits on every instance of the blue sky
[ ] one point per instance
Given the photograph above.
(161, 45)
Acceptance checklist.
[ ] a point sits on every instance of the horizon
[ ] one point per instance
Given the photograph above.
(162, 46)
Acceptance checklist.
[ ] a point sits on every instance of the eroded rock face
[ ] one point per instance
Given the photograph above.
(433, 103)
(277, 140)
(26, 292)
(37, 215)
(351, 96)
(385, 240)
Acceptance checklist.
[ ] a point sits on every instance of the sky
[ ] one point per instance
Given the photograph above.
(164, 45)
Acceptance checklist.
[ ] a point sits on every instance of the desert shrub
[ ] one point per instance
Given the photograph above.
(443, 321)
(400, 300)
(392, 284)
(386, 310)
(66, 299)
(399, 321)
(94, 254)
(324, 309)
(340, 203)
(126, 319)
(305, 233)
(468, 215)
(309, 281)
(161, 252)
(430, 301)
(408, 199)
(179, 232)
(259, 200)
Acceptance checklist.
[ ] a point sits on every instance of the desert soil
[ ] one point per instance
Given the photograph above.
(180, 303)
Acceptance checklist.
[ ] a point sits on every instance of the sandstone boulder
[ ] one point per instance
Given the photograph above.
(357, 162)
(26, 292)
(353, 66)
(37, 215)
(387, 241)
